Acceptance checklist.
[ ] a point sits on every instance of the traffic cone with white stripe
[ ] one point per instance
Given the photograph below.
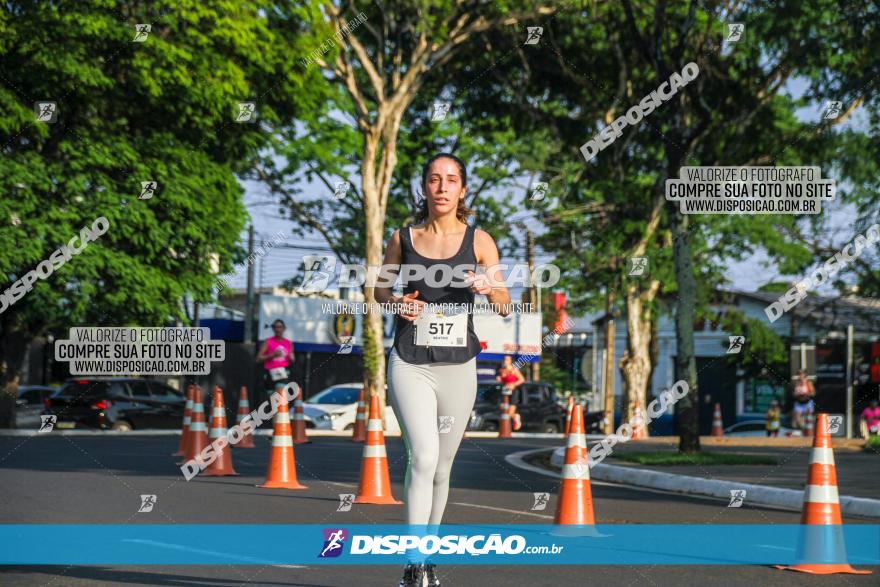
(187, 415)
(575, 504)
(375, 483)
(198, 428)
(244, 410)
(282, 464)
(568, 416)
(360, 420)
(638, 431)
(299, 423)
(504, 427)
(717, 423)
(808, 424)
(819, 545)
(222, 464)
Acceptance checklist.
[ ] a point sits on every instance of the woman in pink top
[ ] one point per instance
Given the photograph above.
(871, 416)
(276, 355)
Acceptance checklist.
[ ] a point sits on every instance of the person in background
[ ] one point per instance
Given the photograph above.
(804, 392)
(509, 375)
(276, 355)
(871, 416)
(772, 418)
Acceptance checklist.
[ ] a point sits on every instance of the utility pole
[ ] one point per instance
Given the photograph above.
(249, 303)
(534, 298)
(608, 378)
(849, 381)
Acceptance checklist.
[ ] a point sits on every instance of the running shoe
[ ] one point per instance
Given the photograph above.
(413, 574)
(431, 573)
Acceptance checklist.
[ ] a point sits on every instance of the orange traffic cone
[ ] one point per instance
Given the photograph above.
(575, 504)
(282, 465)
(822, 508)
(808, 424)
(360, 421)
(717, 423)
(187, 415)
(375, 484)
(222, 465)
(299, 423)
(504, 427)
(638, 432)
(244, 409)
(198, 428)
(568, 416)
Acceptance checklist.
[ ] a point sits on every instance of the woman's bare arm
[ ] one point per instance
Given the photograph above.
(487, 255)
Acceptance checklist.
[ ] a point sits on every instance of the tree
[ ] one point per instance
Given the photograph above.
(162, 110)
(372, 76)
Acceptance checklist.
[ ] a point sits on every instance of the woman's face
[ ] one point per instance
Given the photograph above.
(443, 187)
(278, 329)
(508, 361)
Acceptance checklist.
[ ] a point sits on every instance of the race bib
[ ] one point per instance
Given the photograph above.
(441, 329)
(278, 373)
(774, 425)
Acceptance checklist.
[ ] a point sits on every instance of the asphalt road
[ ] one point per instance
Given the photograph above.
(55, 479)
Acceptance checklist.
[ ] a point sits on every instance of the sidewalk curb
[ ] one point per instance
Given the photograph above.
(759, 494)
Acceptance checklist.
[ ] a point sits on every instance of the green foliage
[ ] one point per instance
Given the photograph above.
(127, 112)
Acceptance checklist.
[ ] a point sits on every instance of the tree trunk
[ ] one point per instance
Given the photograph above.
(685, 361)
(13, 347)
(636, 364)
(609, 361)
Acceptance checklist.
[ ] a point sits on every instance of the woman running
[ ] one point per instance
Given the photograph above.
(432, 368)
(509, 375)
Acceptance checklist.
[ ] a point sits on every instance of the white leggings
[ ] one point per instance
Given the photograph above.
(420, 395)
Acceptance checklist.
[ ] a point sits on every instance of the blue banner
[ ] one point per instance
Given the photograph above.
(527, 544)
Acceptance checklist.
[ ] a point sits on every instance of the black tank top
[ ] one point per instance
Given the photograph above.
(404, 332)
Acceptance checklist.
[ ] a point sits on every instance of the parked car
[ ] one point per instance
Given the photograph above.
(758, 428)
(117, 404)
(340, 403)
(536, 403)
(30, 403)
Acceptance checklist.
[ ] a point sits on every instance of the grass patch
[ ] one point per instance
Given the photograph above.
(873, 442)
(661, 458)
